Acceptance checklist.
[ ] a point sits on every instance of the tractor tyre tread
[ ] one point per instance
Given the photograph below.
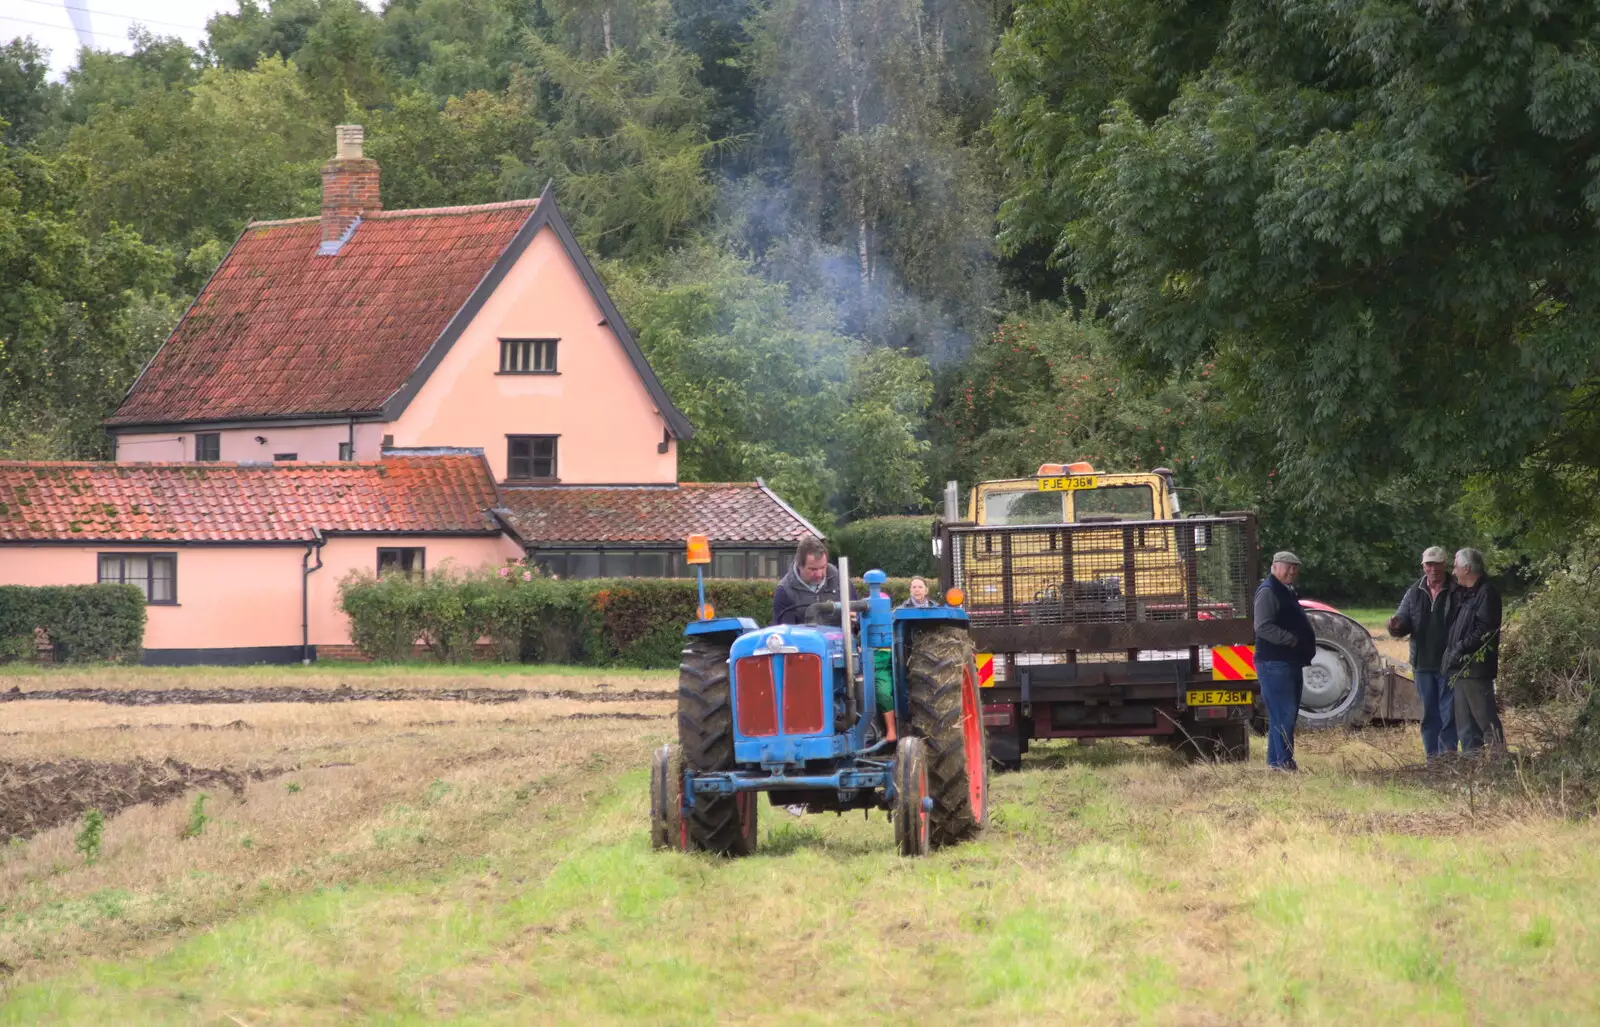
(705, 732)
(934, 677)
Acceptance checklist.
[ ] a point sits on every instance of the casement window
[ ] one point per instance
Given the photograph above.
(530, 457)
(155, 574)
(208, 445)
(345, 451)
(280, 457)
(407, 560)
(580, 564)
(527, 356)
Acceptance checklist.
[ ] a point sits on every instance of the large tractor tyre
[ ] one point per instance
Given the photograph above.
(942, 693)
(723, 824)
(668, 829)
(912, 815)
(1344, 684)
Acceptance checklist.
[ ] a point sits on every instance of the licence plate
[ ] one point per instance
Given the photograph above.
(1069, 484)
(1218, 697)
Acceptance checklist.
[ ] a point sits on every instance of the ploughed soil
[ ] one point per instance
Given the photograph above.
(344, 693)
(37, 796)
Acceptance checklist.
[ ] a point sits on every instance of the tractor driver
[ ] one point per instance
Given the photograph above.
(812, 579)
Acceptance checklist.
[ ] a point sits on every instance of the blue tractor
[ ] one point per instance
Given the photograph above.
(793, 710)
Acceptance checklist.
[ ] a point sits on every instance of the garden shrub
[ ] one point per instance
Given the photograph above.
(84, 623)
(631, 622)
(1551, 650)
(385, 614)
(899, 546)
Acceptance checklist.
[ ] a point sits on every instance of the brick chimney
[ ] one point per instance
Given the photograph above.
(349, 187)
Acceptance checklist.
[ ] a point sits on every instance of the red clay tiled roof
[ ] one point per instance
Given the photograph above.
(575, 515)
(167, 503)
(280, 330)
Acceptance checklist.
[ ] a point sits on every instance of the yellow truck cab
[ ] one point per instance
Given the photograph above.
(1074, 494)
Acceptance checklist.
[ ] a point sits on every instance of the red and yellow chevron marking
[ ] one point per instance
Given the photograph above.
(1233, 663)
(986, 670)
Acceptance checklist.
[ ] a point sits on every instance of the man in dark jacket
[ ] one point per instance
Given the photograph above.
(1424, 614)
(1285, 644)
(812, 579)
(1472, 654)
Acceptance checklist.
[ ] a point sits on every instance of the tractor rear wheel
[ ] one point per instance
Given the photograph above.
(1343, 685)
(722, 824)
(667, 827)
(912, 820)
(942, 693)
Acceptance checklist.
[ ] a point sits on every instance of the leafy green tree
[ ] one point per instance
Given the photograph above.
(774, 390)
(156, 65)
(476, 148)
(340, 61)
(760, 379)
(190, 166)
(80, 309)
(450, 48)
(626, 144)
(884, 203)
(28, 99)
(1377, 220)
(1048, 388)
(880, 450)
(278, 29)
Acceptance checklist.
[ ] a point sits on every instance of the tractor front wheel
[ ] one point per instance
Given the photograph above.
(668, 830)
(912, 822)
(942, 693)
(721, 824)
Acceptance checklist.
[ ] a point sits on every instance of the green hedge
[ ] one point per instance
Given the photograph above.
(83, 622)
(899, 546)
(626, 622)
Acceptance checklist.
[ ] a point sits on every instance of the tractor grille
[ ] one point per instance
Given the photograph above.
(755, 699)
(1106, 586)
(803, 708)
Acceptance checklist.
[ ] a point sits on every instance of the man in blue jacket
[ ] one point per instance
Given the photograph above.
(1285, 644)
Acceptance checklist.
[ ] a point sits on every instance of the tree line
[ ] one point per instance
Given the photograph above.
(1328, 261)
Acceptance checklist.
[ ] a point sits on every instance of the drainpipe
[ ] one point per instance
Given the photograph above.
(352, 438)
(306, 570)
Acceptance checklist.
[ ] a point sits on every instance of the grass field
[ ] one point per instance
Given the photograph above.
(436, 861)
(1373, 618)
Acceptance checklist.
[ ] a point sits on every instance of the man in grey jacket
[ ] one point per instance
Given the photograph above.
(1424, 614)
(812, 579)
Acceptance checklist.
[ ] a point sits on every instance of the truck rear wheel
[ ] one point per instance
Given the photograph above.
(1343, 683)
(722, 824)
(942, 693)
(1223, 743)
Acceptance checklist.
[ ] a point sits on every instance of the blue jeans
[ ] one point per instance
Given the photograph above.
(1281, 688)
(1438, 712)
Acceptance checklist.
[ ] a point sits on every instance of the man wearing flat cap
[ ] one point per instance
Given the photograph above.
(1285, 644)
(1424, 614)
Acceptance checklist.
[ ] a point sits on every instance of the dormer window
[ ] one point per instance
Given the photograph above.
(528, 356)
